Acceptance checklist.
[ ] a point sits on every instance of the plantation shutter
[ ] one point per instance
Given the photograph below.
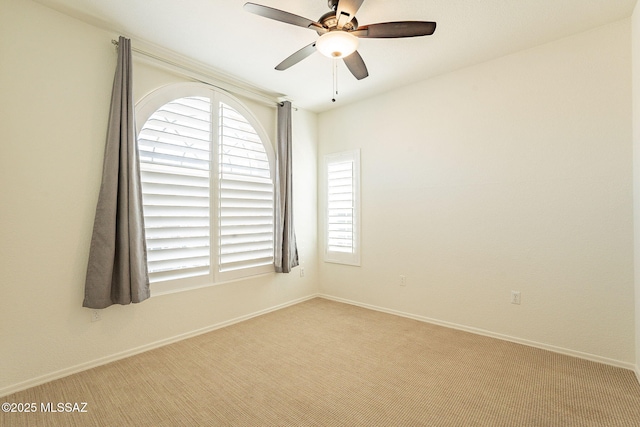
(175, 158)
(208, 193)
(246, 198)
(340, 206)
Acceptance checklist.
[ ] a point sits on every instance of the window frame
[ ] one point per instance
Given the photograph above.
(337, 257)
(146, 107)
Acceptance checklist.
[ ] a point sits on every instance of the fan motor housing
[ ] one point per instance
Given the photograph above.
(328, 20)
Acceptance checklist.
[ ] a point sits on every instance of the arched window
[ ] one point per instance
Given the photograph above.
(208, 187)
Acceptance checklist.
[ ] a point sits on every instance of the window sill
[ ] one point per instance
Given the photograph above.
(170, 287)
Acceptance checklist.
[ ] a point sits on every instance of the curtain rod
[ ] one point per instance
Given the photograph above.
(292, 107)
(210, 80)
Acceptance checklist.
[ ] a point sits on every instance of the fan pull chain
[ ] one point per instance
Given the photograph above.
(335, 80)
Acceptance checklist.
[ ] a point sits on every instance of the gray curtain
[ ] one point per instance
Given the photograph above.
(117, 270)
(286, 251)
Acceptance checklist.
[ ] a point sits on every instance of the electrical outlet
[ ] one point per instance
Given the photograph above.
(515, 297)
(403, 280)
(95, 315)
(301, 271)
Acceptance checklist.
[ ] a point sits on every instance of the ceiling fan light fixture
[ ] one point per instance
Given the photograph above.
(337, 44)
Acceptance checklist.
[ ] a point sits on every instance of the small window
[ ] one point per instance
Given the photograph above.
(342, 213)
(207, 188)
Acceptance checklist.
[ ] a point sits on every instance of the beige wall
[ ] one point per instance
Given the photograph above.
(636, 168)
(55, 84)
(515, 174)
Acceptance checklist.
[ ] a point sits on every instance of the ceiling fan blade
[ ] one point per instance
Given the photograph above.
(297, 57)
(391, 30)
(282, 16)
(346, 11)
(355, 64)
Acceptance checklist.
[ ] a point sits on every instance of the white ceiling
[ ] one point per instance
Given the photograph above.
(220, 34)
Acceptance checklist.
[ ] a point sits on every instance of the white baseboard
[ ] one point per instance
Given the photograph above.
(561, 350)
(131, 352)
(122, 355)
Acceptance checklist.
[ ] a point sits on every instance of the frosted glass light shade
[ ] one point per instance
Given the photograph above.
(337, 44)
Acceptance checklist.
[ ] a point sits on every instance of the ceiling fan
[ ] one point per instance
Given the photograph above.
(339, 32)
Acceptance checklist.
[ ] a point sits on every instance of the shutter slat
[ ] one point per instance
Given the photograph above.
(178, 273)
(169, 159)
(147, 137)
(340, 227)
(178, 254)
(340, 205)
(241, 159)
(147, 145)
(242, 230)
(229, 180)
(159, 124)
(180, 263)
(176, 232)
(176, 242)
(175, 200)
(177, 178)
(173, 222)
(246, 237)
(194, 105)
(250, 209)
(228, 266)
(256, 186)
(246, 194)
(261, 205)
(246, 256)
(155, 189)
(154, 211)
(196, 119)
(252, 146)
(251, 247)
(244, 170)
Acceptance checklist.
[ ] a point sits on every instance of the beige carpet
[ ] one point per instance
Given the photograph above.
(322, 363)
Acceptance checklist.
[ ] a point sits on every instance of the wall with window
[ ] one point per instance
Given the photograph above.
(55, 80)
(514, 174)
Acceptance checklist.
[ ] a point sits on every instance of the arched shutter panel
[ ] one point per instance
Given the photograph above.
(246, 195)
(175, 156)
